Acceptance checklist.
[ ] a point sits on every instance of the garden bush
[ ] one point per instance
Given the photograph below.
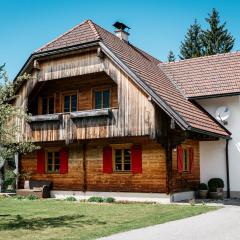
(215, 183)
(32, 197)
(101, 199)
(203, 186)
(71, 199)
(109, 200)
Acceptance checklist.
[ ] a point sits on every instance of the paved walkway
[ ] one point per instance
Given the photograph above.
(223, 224)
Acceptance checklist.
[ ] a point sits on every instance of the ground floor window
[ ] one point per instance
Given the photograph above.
(122, 159)
(185, 160)
(53, 162)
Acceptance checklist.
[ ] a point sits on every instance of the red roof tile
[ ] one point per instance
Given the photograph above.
(206, 76)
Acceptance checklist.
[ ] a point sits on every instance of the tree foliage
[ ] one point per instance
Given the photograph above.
(9, 127)
(192, 44)
(216, 39)
(171, 56)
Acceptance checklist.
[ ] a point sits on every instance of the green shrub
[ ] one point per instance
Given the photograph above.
(9, 179)
(71, 199)
(95, 199)
(215, 183)
(109, 200)
(101, 199)
(32, 197)
(203, 186)
(19, 197)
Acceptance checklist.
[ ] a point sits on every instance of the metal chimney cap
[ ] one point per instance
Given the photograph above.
(120, 26)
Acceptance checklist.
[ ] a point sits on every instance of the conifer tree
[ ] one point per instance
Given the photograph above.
(171, 56)
(216, 39)
(192, 44)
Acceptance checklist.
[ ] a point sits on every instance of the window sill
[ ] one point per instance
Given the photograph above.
(91, 113)
(46, 117)
(122, 172)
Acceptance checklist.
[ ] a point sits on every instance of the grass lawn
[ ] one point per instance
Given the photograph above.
(52, 219)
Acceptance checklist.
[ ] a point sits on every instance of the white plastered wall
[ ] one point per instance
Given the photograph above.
(212, 153)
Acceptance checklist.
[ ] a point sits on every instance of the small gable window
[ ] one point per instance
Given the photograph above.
(70, 102)
(48, 105)
(101, 99)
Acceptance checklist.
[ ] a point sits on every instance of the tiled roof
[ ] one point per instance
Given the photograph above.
(206, 76)
(145, 67)
(82, 33)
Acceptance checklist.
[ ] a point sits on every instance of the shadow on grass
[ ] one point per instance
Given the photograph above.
(72, 221)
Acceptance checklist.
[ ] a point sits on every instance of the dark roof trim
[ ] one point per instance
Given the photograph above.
(208, 133)
(215, 95)
(63, 50)
(183, 124)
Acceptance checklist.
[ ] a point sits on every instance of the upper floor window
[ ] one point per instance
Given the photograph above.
(53, 162)
(70, 102)
(101, 98)
(48, 105)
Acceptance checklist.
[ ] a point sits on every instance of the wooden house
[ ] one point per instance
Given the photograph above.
(107, 118)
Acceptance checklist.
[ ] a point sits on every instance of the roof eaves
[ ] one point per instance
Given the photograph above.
(198, 97)
(209, 133)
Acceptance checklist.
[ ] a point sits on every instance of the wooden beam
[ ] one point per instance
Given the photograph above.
(90, 113)
(46, 117)
(84, 167)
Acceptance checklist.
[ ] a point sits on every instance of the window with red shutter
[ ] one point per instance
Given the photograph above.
(180, 158)
(191, 159)
(107, 160)
(184, 159)
(136, 158)
(63, 161)
(41, 161)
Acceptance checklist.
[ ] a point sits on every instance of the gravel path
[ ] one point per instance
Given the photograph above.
(223, 224)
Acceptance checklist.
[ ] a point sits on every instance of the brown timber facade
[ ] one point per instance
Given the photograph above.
(100, 128)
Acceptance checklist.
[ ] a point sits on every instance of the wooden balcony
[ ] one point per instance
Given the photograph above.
(72, 126)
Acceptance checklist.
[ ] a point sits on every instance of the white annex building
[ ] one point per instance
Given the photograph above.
(213, 82)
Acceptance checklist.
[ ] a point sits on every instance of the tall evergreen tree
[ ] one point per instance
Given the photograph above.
(216, 39)
(192, 44)
(171, 56)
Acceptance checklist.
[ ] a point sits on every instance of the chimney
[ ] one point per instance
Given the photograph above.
(120, 31)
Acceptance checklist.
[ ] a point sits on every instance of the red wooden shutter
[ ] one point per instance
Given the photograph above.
(179, 158)
(107, 160)
(191, 159)
(63, 161)
(136, 158)
(40, 161)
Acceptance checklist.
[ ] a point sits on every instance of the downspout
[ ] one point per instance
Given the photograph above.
(227, 168)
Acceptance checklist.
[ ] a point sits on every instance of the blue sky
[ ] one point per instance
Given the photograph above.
(156, 26)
